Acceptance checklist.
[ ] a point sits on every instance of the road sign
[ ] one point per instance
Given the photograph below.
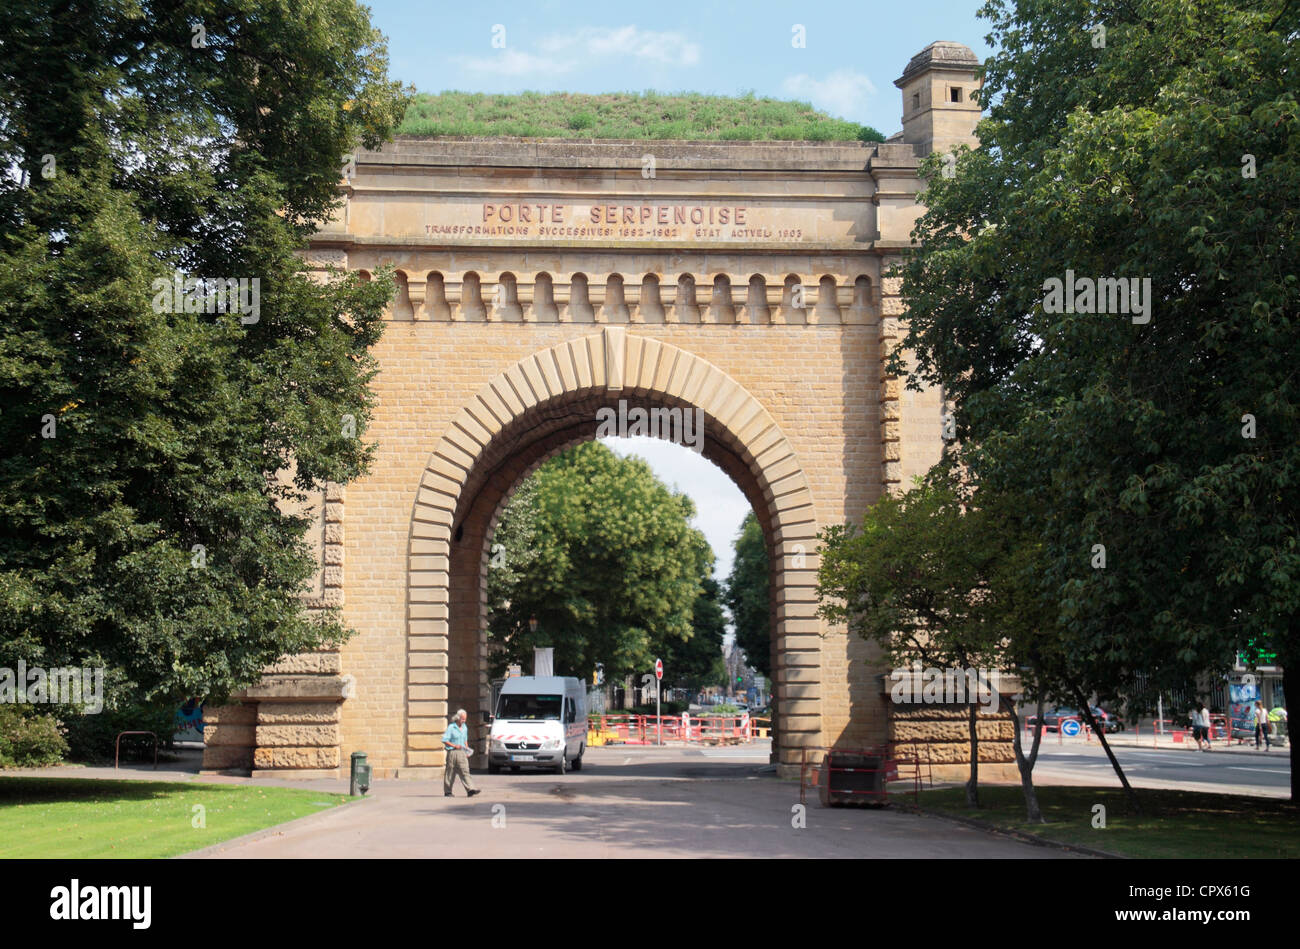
(1070, 727)
(659, 718)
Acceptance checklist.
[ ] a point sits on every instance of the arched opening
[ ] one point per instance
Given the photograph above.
(543, 307)
(756, 306)
(472, 308)
(542, 405)
(579, 309)
(685, 309)
(650, 308)
(828, 309)
(435, 296)
(794, 301)
(615, 309)
(402, 308)
(721, 308)
(505, 300)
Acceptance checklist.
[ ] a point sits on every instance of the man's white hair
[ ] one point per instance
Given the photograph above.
(460, 712)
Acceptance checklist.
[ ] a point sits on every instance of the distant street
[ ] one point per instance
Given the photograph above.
(1229, 772)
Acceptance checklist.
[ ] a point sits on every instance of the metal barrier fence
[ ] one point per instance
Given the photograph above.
(1167, 727)
(837, 774)
(650, 729)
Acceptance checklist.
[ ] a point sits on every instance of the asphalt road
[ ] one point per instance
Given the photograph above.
(1234, 773)
(626, 802)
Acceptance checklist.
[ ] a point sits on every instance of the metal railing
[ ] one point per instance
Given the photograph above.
(631, 729)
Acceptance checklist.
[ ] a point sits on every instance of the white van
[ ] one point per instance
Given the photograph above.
(540, 722)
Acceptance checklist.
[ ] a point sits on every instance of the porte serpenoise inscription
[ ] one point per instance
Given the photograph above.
(670, 221)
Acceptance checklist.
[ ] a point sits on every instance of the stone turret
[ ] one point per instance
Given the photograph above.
(938, 108)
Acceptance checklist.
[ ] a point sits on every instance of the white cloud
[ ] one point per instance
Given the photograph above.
(669, 48)
(843, 93)
(510, 62)
(563, 52)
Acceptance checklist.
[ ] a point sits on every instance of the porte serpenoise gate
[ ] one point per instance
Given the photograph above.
(540, 281)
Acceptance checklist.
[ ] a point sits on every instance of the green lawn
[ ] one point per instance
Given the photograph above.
(1172, 824)
(76, 817)
(648, 115)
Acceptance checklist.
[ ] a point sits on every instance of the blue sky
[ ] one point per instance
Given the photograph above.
(854, 50)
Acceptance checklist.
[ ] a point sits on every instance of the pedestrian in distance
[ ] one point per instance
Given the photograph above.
(1277, 718)
(1201, 725)
(455, 742)
(1261, 726)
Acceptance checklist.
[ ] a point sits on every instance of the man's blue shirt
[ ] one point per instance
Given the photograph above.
(455, 733)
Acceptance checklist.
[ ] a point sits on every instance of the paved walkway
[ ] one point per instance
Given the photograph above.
(626, 802)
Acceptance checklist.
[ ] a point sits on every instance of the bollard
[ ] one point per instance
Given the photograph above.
(360, 774)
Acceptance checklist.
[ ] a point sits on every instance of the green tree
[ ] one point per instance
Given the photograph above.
(613, 571)
(747, 595)
(1152, 141)
(934, 578)
(140, 510)
(687, 665)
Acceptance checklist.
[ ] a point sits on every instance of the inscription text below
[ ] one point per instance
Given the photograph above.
(628, 221)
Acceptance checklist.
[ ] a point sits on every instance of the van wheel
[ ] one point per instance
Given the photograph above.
(563, 766)
(577, 762)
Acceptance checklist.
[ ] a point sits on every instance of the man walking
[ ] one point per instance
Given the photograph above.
(1201, 725)
(455, 743)
(1261, 726)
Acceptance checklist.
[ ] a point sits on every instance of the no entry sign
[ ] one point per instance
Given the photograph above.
(659, 668)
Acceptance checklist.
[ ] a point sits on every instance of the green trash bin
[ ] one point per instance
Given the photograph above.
(360, 782)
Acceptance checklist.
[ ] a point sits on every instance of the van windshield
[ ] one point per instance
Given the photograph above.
(530, 707)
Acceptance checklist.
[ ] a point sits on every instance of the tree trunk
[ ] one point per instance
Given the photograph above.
(1033, 813)
(1290, 738)
(972, 786)
(1086, 711)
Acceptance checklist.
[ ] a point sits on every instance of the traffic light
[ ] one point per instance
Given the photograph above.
(737, 680)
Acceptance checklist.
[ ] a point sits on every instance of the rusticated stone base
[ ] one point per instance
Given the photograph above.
(295, 759)
(941, 734)
(228, 738)
(288, 725)
(989, 773)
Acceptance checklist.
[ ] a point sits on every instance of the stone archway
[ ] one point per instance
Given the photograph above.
(542, 404)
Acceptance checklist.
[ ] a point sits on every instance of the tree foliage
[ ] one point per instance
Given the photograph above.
(140, 513)
(1157, 457)
(603, 555)
(690, 664)
(942, 576)
(748, 597)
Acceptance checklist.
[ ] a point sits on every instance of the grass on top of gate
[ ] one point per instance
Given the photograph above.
(86, 817)
(627, 115)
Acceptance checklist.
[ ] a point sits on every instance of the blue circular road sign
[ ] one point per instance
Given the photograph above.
(1070, 727)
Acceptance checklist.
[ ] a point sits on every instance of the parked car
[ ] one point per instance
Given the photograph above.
(1053, 717)
(1110, 722)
